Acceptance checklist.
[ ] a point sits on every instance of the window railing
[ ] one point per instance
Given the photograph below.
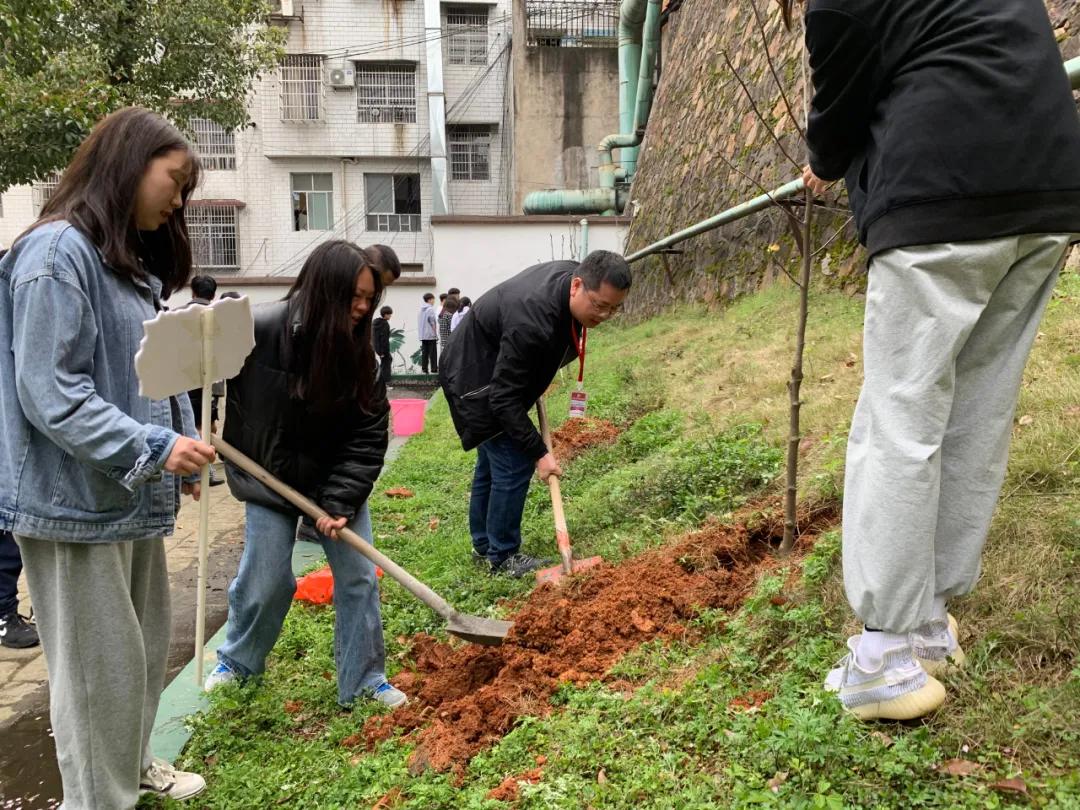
(388, 223)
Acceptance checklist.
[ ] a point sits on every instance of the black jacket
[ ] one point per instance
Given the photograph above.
(950, 120)
(334, 461)
(380, 336)
(505, 354)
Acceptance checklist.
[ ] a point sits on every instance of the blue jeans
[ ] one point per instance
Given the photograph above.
(500, 484)
(10, 568)
(262, 592)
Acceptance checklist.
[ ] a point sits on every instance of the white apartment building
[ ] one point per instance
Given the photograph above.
(378, 118)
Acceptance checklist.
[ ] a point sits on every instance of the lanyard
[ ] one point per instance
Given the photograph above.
(579, 345)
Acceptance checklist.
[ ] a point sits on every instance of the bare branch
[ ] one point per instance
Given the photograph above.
(772, 69)
(760, 117)
(832, 238)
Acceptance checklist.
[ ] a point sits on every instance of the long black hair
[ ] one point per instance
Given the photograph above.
(332, 362)
(98, 191)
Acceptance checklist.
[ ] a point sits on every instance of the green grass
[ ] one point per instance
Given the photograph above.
(700, 398)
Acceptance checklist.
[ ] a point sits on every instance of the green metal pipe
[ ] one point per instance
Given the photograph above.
(723, 218)
(575, 201)
(631, 133)
(631, 18)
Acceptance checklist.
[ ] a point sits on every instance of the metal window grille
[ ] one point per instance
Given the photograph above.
(467, 36)
(301, 88)
(215, 145)
(385, 93)
(212, 230)
(43, 190)
(470, 152)
(572, 23)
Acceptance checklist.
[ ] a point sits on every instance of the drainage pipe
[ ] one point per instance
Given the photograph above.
(723, 218)
(632, 14)
(576, 201)
(634, 130)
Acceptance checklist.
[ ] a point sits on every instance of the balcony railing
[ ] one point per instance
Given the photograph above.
(570, 24)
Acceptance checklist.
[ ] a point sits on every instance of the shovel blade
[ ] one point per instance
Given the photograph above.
(555, 574)
(477, 630)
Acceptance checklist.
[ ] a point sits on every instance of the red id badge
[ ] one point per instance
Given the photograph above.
(578, 402)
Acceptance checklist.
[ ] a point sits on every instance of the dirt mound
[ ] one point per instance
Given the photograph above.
(465, 698)
(575, 436)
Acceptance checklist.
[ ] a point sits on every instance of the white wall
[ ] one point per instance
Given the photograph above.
(474, 255)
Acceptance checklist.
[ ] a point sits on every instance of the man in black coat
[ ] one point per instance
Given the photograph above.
(498, 363)
(954, 128)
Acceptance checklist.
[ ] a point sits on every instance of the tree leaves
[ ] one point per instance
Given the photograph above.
(66, 64)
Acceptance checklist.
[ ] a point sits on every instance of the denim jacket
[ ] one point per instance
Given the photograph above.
(81, 452)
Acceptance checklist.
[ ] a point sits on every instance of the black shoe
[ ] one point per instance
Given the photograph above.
(478, 558)
(519, 565)
(16, 632)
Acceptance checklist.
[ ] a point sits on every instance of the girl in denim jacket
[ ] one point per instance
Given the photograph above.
(90, 471)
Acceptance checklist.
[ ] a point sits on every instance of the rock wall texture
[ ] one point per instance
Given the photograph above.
(719, 134)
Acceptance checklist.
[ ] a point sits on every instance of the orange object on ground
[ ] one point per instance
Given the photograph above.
(318, 586)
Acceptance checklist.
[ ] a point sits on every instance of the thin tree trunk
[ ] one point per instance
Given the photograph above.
(795, 384)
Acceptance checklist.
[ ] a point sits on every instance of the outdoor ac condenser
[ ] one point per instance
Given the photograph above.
(341, 76)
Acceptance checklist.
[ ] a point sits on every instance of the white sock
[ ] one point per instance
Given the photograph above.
(939, 611)
(873, 644)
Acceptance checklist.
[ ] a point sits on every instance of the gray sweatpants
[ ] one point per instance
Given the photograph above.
(102, 613)
(947, 333)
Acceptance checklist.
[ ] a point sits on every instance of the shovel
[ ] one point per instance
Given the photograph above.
(471, 628)
(562, 537)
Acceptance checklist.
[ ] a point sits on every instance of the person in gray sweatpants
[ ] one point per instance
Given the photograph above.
(91, 472)
(954, 128)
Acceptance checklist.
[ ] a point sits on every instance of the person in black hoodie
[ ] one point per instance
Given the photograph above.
(380, 329)
(497, 364)
(308, 407)
(954, 128)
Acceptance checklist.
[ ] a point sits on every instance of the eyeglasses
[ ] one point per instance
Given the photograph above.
(602, 309)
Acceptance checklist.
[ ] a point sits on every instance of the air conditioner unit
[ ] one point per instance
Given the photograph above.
(341, 76)
(281, 8)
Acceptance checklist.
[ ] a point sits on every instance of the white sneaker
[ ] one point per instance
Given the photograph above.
(218, 675)
(389, 696)
(937, 647)
(899, 689)
(162, 779)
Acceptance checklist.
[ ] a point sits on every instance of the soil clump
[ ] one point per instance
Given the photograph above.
(575, 436)
(466, 697)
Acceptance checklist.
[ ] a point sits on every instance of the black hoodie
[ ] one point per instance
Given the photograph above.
(949, 120)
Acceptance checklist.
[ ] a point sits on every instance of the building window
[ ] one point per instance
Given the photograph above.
(313, 202)
(393, 202)
(216, 146)
(466, 35)
(301, 88)
(212, 230)
(43, 190)
(470, 152)
(385, 93)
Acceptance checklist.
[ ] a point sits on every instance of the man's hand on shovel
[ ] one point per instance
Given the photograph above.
(548, 466)
(329, 526)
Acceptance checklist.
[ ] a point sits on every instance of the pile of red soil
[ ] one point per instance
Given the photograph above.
(465, 698)
(575, 436)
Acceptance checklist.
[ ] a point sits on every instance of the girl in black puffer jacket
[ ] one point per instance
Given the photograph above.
(309, 408)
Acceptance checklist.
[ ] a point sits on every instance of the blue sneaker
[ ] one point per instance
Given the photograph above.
(389, 696)
(219, 675)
